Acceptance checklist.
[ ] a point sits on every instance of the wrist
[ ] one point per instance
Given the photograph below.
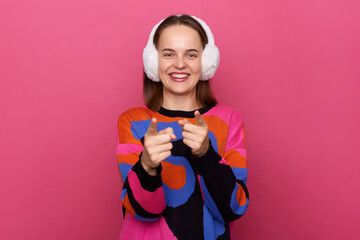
(148, 182)
(150, 170)
(204, 151)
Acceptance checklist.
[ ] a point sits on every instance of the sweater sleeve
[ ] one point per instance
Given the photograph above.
(142, 194)
(223, 178)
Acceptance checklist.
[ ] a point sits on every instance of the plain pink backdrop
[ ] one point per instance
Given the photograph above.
(69, 68)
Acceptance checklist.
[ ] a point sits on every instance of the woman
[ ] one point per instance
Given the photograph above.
(181, 157)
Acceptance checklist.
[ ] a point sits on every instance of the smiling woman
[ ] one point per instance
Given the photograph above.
(180, 52)
(182, 158)
(153, 53)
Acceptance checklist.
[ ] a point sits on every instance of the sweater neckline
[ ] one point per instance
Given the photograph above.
(181, 113)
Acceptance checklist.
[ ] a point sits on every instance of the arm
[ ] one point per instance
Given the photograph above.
(142, 194)
(223, 178)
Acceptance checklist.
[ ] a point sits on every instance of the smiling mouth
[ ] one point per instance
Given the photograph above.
(179, 77)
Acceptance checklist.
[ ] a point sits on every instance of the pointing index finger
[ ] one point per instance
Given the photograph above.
(152, 130)
(199, 119)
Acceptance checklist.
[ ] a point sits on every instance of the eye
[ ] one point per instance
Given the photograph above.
(192, 55)
(167, 54)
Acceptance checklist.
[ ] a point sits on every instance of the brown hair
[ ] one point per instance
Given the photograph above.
(153, 91)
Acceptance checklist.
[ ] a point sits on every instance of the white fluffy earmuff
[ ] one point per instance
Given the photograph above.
(209, 60)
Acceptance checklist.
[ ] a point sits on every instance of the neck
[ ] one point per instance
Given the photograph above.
(183, 102)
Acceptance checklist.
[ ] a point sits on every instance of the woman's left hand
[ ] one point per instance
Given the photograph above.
(196, 136)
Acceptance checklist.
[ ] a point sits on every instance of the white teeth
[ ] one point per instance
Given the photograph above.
(179, 75)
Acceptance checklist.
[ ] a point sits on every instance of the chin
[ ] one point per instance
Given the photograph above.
(181, 91)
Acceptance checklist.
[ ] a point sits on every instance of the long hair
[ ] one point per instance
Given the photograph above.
(153, 91)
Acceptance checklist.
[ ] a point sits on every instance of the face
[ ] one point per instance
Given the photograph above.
(179, 54)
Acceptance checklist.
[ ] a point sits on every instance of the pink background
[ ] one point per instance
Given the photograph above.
(69, 68)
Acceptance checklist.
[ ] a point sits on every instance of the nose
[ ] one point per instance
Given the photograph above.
(179, 62)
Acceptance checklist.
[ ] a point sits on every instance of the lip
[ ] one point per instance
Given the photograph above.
(179, 80)
(179, 73)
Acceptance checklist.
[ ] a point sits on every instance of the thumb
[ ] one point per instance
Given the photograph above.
(169, 131)
(182, 122)
(152, 130)
(199, 119)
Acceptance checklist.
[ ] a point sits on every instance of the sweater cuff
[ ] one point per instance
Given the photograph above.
(147, 181)
(209, 160)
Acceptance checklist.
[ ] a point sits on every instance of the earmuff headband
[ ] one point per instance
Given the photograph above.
(210, 57)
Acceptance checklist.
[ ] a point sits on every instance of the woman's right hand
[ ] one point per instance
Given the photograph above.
(157, 147)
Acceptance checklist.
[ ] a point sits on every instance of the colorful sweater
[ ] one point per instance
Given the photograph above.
(190, 197)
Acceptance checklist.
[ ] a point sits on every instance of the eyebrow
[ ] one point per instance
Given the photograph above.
(188, 50)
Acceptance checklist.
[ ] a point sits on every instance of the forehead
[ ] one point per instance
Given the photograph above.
(179, 36)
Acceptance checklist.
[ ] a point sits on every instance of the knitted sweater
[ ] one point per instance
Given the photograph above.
(190, 197)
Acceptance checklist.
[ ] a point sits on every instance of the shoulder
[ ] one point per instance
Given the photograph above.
(137, 113)
(226, 112)
(225, 108)
(134, 110)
